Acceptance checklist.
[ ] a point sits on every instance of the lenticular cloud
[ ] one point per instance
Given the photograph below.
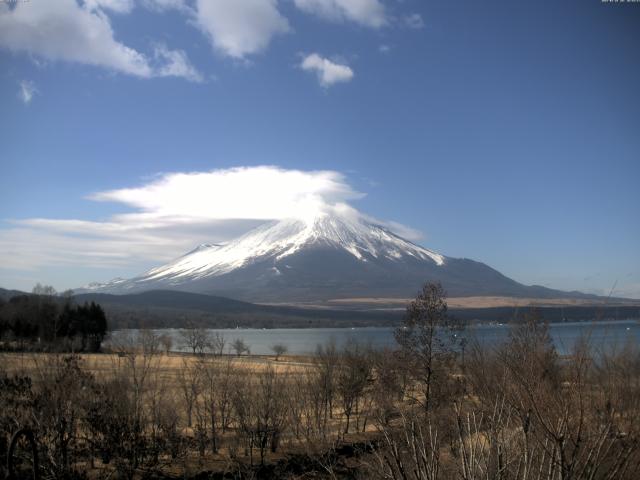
(263, 192)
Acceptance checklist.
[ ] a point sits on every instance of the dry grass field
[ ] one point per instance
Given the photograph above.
(168, 365)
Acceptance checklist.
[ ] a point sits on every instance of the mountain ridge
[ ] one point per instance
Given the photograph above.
(324, 257)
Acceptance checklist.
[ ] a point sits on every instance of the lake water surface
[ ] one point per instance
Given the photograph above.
(301, 341)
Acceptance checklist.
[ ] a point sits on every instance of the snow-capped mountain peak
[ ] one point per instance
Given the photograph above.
(361, 238)
(280, 239)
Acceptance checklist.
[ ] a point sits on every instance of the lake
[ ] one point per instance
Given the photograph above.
(301, 341)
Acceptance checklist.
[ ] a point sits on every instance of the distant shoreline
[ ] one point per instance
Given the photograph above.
(477, 301)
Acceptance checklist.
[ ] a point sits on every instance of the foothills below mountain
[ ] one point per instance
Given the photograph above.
(173, 309)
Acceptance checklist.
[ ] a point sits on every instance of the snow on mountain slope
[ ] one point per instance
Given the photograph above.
(97, 286)
(281, 239)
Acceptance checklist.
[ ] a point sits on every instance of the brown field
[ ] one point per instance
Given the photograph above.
(103, 364)
(167, 367)
(483, 302)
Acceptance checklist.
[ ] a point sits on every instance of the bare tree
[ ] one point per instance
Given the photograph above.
(59, 404)
(196, 339)
(149, 342)
(279, 349)
(239, 346)
(353, 377)
(326, 361)
(215, 395)
(391, 383)
(44, 290)
(167, 342)
(217, 344)
(426, 338)
(189, 384)
(409, 452)
(262, 410)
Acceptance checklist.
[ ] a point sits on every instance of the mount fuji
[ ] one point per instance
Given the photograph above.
(329, 256)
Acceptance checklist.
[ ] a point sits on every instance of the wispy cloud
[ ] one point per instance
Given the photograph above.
(174, 212)
(413, 21)
(370, 13)
(27, 91)
(35, 243)
(327, 71)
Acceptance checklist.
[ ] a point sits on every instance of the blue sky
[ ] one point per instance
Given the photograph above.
(506, 132)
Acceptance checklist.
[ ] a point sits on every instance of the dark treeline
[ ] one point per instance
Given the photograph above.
(48, 322)
(167, 309)
(138, 317)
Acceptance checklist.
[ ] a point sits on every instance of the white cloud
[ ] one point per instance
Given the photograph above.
(171, 214)
(238, 28)
(384, 48)
(414, 21)
(174, 63)
(117, 6)
(239, 193)
(64, 30)
(328, 72)
(370, 13)
(69, 31)
(27, 91)
(165, 5)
